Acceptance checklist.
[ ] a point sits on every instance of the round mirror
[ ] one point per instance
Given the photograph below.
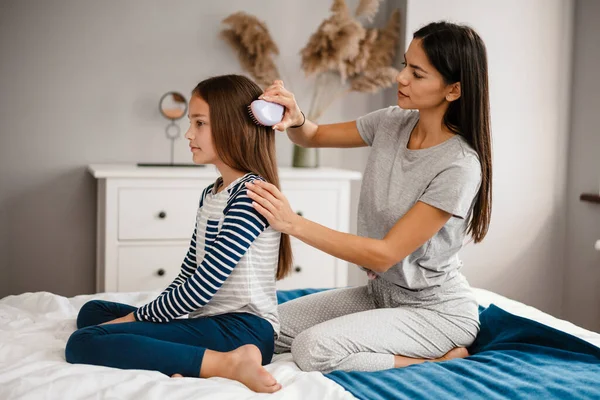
(173, 105)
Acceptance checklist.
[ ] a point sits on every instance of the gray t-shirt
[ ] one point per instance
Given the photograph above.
(446, 176)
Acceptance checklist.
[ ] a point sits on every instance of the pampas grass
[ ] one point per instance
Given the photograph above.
(255, 48)
(342, 55)
(367, 9)
(373, 80)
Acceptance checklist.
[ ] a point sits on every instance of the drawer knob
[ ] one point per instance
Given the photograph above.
(298, 268)
(162, 215)
(300, 213)
(160, 272)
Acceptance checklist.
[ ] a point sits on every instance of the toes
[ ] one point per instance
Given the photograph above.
(176, 376)
(268, 378)
(272, 389)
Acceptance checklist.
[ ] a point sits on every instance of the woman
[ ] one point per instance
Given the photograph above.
(427, 185)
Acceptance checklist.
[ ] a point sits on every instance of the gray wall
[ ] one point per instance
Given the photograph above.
(582, 264)
(80, 82)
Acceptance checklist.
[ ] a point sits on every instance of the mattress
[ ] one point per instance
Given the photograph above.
(34, 328)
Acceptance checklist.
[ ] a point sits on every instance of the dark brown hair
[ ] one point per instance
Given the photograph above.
(459, 54)
(239, 142)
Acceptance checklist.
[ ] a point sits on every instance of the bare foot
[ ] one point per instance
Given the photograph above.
(176, 376)
(245, 366)
(457, 352)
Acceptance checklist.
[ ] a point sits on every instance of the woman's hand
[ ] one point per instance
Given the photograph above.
(128, 318)
(276, 93)
(272, 205)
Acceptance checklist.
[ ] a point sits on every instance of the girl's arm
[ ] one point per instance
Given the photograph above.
(411, 231)
(187, 269)
(188, 266)
(241, 226)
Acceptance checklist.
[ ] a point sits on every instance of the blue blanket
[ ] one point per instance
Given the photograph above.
(512, 358)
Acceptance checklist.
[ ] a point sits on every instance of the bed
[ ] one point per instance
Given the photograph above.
(520, 353)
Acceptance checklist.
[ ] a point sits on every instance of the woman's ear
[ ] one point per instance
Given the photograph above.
(454, 92)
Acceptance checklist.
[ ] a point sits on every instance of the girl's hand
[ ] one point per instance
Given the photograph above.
(128, 318)
(276, 93)
(272, 205)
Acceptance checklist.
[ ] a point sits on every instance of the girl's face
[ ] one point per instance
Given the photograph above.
(420, 85)
(199, 133)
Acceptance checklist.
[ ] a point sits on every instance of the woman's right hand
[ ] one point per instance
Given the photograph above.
(277, 93)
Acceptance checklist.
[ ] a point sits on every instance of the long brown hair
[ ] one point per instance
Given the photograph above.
(239, 142)
(459, 54)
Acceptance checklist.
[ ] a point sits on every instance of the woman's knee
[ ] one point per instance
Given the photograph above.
(314, 351)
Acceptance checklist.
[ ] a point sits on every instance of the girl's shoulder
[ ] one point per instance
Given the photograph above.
(239, 188)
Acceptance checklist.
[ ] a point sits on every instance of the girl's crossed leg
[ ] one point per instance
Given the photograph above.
(232, 346)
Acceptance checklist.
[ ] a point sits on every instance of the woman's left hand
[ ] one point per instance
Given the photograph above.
(128, 318)
(273, 205)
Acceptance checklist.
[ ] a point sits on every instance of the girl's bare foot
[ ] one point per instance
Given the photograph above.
(245, 366)
(176, 376)
(458, 352)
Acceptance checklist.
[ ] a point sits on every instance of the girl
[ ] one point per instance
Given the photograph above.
(426, 186)
(227, 279)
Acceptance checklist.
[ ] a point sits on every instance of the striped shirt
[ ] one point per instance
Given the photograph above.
(231, 263)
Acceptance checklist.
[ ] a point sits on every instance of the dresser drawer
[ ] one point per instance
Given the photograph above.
(157, 213)
(311, 269)
(319, 205)
(144, 268)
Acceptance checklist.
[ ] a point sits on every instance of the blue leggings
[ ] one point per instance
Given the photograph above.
(177, 346)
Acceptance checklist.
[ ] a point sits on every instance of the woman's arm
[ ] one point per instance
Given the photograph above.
(344, 134)
(411, 231)
(341, 135)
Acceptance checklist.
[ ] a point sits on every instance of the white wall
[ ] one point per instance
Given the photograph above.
(529, 48)
(582, 266)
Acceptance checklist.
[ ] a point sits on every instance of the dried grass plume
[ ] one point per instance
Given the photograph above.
(367, 9)
(255, 48)
(374, 81)
(342, 54)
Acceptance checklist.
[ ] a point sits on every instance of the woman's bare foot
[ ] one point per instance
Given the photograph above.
(244, 365)
(402, 361)
(457, 352)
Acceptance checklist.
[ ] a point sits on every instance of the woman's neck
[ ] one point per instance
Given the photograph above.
(430, 129)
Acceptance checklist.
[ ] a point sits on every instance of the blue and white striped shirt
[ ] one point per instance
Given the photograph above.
(231, 263)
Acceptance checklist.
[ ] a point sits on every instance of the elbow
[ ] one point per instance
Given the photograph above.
(384, 257)
(383, 266)
(383, 262)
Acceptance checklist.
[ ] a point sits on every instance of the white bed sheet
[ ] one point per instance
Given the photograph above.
(34, 328)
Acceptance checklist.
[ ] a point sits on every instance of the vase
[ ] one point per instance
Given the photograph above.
(305, 157)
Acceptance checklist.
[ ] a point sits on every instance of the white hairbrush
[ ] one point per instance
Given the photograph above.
(265, 113)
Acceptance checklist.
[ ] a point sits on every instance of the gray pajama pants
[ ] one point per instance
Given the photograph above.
(362, 328)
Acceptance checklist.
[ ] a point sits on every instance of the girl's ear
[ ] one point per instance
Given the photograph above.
(454, 93)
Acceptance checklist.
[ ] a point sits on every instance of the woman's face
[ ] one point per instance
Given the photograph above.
(199, 133)
(420, 85)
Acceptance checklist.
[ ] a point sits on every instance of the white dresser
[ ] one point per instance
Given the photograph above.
(146, 219)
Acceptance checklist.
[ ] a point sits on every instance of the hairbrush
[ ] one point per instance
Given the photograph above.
(265, 113)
